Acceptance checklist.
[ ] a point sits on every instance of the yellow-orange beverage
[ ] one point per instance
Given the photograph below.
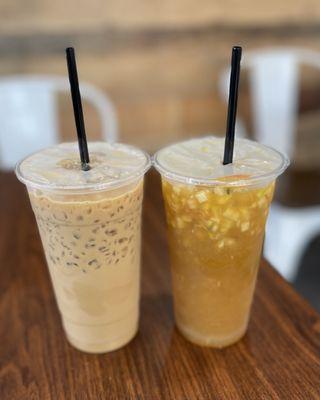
(215, 234)
(215, 239)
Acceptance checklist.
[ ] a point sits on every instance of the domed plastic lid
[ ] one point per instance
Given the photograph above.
(199, 162)
(59, 168)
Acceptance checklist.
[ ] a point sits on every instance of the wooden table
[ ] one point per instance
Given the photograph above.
(278, 358)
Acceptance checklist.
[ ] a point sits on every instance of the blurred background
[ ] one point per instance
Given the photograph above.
(156, 71)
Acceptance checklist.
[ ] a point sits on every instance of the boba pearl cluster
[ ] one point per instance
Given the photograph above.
(83, 235)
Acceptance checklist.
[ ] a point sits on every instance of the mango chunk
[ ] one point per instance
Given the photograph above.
(201, 196)
(245, 226)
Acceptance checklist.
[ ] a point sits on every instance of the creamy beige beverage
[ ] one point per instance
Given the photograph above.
(90, 226)
(216, 216)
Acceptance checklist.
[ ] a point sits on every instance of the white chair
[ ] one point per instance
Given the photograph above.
(29, 114)
(274, 87)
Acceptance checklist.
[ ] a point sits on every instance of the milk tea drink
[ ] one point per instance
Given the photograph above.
(216, 216)
(90, 227)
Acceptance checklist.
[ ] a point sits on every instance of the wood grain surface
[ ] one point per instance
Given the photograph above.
(279, 358)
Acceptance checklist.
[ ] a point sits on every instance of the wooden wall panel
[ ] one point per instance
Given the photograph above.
(45, 15)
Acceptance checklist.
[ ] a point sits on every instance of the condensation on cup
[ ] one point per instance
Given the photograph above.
(216, 217)
(90, 227)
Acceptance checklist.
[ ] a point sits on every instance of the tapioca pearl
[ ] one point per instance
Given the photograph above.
(65, 246)
(52, 259)
(124, 251)
(94, 263)
(111, 232)
(103, 249)
(72, 264)
(120, 208)
(108, 245)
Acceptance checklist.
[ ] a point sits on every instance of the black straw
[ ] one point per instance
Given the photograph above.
(77, 108)
(232, 105)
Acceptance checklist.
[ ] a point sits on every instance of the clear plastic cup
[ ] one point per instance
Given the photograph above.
(91, 235)
(215, 232)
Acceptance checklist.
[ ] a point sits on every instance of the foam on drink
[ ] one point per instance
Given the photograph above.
(60, 167)
(200, 160)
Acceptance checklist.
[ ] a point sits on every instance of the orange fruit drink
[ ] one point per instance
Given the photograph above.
(216, 218)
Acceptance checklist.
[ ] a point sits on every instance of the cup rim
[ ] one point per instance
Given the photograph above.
(101, 186)
(251, 180)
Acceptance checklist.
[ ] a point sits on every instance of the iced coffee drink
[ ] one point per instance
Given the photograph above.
(90, 226)
(216, 216)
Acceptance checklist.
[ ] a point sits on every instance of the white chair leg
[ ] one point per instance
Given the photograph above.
(287, 236)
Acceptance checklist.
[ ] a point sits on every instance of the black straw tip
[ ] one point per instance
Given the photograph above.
(236, 55)
(85, 167)
(237, 49)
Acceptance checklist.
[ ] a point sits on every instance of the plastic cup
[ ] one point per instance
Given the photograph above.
(91, 235)
(215, 232)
